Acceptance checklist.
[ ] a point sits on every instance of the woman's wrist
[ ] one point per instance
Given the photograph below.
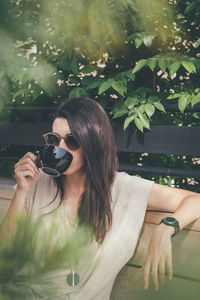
(20, 193)
(166, 229)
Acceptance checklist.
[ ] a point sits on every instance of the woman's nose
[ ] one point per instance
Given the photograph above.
(62, 143)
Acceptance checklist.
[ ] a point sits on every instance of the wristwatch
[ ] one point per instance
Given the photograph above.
(170, 221)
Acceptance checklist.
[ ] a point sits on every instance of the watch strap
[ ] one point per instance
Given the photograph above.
(170, 221)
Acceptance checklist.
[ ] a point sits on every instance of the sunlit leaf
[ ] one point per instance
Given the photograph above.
(147, 40)
(139, 124)
(149, 109)
(189, 66)
(162, 64)
(104, 87)
(159, 106)
(173, 68)
(152, 63)
(195, 99)
(144, 120)
(141, 63)
(173, 96)
(129, 119)
(138, 41)
(182, 103)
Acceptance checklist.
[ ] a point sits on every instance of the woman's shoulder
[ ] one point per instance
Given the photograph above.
(125, 183)
(123, 178)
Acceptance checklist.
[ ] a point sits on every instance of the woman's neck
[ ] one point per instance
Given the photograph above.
(74, 186)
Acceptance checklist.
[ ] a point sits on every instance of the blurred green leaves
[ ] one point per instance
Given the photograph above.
(106, 50)
(36, 250)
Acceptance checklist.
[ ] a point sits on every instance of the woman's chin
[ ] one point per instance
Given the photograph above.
(71, 171)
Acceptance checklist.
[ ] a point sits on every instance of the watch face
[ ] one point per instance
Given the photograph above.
(171, 220)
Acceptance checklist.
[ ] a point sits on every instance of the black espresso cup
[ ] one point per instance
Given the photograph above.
(53, 160)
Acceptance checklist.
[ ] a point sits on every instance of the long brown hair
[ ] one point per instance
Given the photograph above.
(90, 126)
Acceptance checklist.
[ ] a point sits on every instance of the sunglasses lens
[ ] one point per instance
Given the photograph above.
(52, 139)
(71, 142)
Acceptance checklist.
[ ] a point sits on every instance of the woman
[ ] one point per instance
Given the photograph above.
(113, 204)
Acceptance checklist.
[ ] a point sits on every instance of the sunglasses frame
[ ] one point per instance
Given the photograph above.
(45, 135)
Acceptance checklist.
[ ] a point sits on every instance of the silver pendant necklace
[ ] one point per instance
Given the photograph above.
(72, 278)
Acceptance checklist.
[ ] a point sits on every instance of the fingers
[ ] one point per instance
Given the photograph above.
(154, 274)
(169, 266)
(162, 272)
(25, 171)
(156, 267)
(146, 269)
(27, 162)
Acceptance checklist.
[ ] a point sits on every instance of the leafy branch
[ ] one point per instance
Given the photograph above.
(139, 108)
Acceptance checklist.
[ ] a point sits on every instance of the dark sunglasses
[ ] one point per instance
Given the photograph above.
(54, 139)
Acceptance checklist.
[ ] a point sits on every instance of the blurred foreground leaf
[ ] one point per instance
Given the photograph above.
(36, 249)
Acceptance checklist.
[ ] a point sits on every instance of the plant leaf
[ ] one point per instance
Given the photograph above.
(173, 68)
(104, 87)
(144, 120)
(149, 109)
(173, 96)
(147, 40)
(139, 124)
(129, 119)
(152, 63)
(182, 103)
(189, 66)
(195, 99)
(131, 102)
(138, 41)
(142, 108)
(141, 63)
(119, 87)
(159, 106)
(153, 99)
(120, 112)
(129, 75)
(162, 63)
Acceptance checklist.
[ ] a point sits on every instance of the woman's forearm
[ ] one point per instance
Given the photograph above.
(188, 211)
(15, 210)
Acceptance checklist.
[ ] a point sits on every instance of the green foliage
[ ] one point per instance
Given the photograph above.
(129, 55)
(61, 50)
(35, 250)
(186, 98)
(168, 62)
(139, 107)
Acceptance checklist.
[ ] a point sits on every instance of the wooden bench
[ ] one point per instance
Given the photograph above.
(186, 262)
